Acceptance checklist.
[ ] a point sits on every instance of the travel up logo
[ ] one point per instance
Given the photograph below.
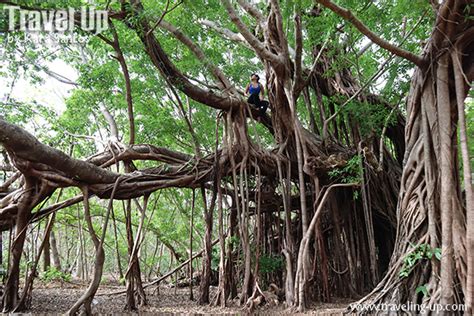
(56, 22)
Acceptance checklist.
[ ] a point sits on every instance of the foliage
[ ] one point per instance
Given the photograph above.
(422, 289)
(371, 118)
(270, 263)
(3, 272)
(350, 173)
(420, 253)
(53, 274)
(215, 258)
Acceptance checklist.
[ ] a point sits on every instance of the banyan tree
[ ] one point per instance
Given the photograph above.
(360, 190)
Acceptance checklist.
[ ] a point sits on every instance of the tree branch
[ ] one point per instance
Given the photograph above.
(236, 37)
(299, 52)
(249, 37)
(252, 10)
(162, 62)
(6, 185)
(25, 146)
(41, 161)
(348, 16)
(165, 12)
(223, 82)
(281, 31)
(128, 84)
(313, 68)
(114, 134)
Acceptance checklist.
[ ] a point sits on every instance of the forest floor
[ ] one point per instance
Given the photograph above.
(57, 298)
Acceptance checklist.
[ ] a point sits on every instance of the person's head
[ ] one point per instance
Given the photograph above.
(254, 78)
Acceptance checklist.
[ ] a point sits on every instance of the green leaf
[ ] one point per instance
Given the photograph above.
(404, 274)
(423, 289)
(429, 253)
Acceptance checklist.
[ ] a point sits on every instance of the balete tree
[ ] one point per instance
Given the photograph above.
(357, 180)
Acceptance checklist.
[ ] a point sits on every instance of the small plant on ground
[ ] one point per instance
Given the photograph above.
(53, 274)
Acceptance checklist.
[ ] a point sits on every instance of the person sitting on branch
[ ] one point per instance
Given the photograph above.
(256, 93)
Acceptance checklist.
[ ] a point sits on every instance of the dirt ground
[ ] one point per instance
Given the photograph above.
(57, 298)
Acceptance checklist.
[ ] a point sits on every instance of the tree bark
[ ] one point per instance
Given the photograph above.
(55, 252)
(430, 210)
(46, 254)
(10, 295)
(468, 184)
(207, 257)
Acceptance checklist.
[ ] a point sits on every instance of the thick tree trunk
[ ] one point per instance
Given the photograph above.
(468, 184)
(10, 295)
(430, 207)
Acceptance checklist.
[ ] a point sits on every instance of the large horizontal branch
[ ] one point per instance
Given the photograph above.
(34, 158)
(350, 17)
(48, 164)
(55, 169)
(22, 145)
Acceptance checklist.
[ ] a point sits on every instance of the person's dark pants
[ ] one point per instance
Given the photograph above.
(260, 105)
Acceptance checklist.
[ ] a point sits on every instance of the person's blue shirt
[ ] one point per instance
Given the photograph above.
(253, 90)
